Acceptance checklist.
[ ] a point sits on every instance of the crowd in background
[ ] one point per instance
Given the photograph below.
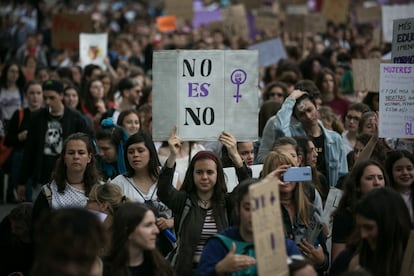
(81, 137)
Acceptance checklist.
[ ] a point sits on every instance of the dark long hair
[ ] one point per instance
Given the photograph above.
(91, 175)
(153, 167)
(220, 189)
(126, 219)
(21, 80)
(393, 157)
(352, 186)
(387, 208)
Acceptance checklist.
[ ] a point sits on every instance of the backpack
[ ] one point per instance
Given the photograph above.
(242, 248)
(5, 151)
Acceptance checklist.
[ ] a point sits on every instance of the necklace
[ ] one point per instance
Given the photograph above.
(204, 202)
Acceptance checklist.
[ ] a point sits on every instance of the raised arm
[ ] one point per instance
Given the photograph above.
(284, 115)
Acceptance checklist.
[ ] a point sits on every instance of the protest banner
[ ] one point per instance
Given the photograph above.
(407, 268)
(180, 8)
(66, 28)
(336, 10)
(268, 234)
(93, 48)
(391, 13)
(204, 93)
(207, 17)
(366, 74)
(403, 41)
(270, 51)
(396, 109)
(166, 23)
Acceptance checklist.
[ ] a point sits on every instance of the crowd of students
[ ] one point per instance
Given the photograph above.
(108, 200)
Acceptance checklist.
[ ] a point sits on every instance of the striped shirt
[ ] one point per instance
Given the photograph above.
(209, 230)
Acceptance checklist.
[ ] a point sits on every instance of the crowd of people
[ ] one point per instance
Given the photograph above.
(97, 196)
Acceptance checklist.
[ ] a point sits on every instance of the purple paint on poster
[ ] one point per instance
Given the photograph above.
(238, 77)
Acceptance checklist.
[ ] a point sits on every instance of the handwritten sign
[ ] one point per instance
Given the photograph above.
(403, 41)
(268, 234)
(270, 51)
(93, 48)
(267, 21)
(204, 93)
(314, 22)
(67, 27)
(407, 268)
(391, 13)
(396, 110)
(366, 74)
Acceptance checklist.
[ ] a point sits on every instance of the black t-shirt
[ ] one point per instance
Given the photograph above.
(319, 143)
(343, 224)
(143, 269)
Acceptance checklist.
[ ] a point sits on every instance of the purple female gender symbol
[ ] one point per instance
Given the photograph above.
(238, 77)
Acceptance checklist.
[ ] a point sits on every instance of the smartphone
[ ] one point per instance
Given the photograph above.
(296, 174)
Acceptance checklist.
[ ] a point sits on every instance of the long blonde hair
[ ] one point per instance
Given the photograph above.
(273, 160)
(110, 193)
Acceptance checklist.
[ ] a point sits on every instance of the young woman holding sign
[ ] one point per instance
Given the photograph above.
(233, 249)
(202, 206)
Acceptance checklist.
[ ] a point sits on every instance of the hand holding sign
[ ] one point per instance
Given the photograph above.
(313, 254)
(234, 262)
(174, 143)
(228, 140)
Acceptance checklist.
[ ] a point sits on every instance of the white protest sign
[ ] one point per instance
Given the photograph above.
(390, 13)
(332, 202)
(231, 177)
(270, 51)
(403, 41)
(396, 110)
(204, 93)
(93, 48)
(268, 234)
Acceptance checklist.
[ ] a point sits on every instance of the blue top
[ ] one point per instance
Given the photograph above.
(215, 250)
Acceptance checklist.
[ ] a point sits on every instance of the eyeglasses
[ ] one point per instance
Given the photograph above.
(272, 94)
(350, 118)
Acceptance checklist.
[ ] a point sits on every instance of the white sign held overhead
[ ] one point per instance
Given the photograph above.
(93, 48)
(204, 93)
(403, 41)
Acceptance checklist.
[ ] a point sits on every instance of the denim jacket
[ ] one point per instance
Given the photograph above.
(335, 156)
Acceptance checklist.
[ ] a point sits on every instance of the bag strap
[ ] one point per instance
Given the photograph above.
(184, 214)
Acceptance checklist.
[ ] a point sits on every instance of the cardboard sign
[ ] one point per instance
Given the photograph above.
(270, 51)
(67, 27)
(297, 9)
(235, 21)
(314, 22)
(336, 10)
(403, 41)
(267, 21)
(396, 109)
(204, 93)
(407, 268)
(268, 234)
(366, 74)
(180, 8)
(93, 48)
(368, 15)
(391, 13)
